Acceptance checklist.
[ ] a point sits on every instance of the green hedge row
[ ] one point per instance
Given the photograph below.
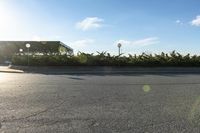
(105, 59)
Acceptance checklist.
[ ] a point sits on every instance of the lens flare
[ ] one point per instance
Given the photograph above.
(195, 111)
(146, 88)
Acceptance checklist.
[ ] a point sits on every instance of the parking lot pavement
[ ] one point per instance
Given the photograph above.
(99, 103)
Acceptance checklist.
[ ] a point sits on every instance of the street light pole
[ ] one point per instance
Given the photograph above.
(28, 56)
(119, 46)
(28, 46)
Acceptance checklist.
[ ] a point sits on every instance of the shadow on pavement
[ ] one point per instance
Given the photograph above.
(116, 71)
(113, 73)
(75, 78)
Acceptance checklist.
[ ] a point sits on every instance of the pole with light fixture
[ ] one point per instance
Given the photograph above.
(20, 51)
(28, 47)
(119, 46)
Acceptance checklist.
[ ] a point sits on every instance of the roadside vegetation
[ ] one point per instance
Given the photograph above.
(10, 48)
(105, 59)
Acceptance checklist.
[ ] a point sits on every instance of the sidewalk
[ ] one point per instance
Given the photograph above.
(6, 69)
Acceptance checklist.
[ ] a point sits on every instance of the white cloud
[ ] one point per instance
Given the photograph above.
(139, 43)
(196, 21)
(178, 21)
(82, 43)
(90, 23)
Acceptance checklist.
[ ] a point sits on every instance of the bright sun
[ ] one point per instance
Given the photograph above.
(6, 17)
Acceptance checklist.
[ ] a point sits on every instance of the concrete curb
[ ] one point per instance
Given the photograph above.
(9, 70)
(107, 70)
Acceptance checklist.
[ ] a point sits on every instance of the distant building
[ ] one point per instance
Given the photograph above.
(10, 48)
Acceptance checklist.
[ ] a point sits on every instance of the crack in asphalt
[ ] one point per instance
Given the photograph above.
(35, 114)
(67, 120)
(93, 124)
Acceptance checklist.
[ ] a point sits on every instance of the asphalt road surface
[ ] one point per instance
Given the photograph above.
(139, 103)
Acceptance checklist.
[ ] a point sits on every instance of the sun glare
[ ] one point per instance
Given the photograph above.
(2, 76)
(6, 17)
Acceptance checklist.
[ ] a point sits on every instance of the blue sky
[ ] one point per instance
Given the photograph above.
(98, 25)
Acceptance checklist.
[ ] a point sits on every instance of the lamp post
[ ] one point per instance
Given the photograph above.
(119, 46)
(28, 46)
(20, 51)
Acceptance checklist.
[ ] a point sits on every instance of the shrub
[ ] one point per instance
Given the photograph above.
(105, 59)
